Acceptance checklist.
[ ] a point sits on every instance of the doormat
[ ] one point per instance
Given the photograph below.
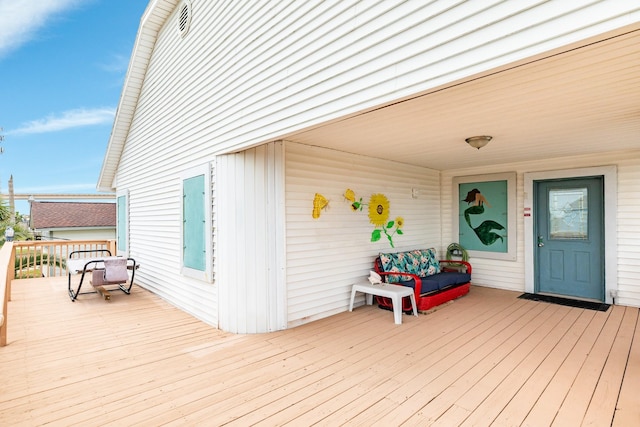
(598, 306)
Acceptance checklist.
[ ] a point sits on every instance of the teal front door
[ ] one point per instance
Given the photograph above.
(569, 243)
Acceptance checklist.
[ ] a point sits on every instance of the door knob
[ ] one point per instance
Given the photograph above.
(540, 242)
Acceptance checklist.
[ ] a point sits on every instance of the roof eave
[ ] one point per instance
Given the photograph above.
(154, 17)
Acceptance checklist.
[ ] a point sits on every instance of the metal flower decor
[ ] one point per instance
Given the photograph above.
(378, 207)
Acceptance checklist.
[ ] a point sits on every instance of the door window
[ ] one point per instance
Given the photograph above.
(568, 214)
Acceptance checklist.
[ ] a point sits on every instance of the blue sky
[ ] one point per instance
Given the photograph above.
(62, 67)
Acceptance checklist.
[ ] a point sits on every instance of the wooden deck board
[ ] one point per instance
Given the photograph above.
(486, 359)
(550, 400)
(431, 392)
(525, 398)
(575, 405)
(628, 410)
(607, 390)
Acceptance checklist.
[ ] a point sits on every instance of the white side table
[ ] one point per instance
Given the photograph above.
(395, 292)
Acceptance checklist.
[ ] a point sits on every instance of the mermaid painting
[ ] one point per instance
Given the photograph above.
(484, 231)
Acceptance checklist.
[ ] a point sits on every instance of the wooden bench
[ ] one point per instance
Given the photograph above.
(441, 281)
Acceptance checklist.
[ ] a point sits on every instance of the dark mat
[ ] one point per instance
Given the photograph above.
(598, 306)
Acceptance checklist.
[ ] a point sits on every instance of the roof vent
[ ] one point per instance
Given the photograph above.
(184, 17)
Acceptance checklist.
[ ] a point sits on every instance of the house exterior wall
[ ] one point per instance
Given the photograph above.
(83, 234)
(325, 256)
(250, 236)
(249, 73)
(511, 274)
(154, 226)
(238, 80)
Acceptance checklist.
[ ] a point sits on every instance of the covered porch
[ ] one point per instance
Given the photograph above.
(488, 358)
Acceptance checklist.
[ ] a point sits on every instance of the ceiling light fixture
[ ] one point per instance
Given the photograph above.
(478, 141)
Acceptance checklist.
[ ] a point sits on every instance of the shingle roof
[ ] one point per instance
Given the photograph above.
(72, 214)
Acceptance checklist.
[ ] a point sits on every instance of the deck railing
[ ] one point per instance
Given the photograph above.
(48, 258)
(21, 260)
(6, 275)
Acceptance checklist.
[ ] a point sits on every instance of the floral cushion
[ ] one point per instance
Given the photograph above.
(422, 263)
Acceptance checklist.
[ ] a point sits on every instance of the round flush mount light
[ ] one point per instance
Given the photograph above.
(478, 141)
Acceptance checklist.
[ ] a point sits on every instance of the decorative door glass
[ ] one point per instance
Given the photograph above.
(568, 214)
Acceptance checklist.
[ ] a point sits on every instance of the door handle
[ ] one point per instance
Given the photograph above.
(540, 242)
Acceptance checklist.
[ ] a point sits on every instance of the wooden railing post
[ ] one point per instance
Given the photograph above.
(112, 246)
(11, 272)
(6, 275)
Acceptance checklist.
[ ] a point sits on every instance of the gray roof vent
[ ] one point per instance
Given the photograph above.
(184, 17)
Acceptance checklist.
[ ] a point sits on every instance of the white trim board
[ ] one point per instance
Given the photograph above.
(610, 174)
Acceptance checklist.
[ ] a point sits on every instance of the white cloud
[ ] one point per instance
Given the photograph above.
(68, 119)
(117, 64)
(20, 20)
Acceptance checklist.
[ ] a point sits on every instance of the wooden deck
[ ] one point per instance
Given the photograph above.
(488, 358)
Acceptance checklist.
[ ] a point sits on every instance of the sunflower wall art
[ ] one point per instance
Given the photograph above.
(378, 208)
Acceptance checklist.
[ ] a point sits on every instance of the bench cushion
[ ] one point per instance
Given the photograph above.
(419, 262)
(439, 281)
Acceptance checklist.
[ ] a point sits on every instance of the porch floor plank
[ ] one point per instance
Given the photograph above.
(488, 358)
(628, 410)
(576, 403)
(550, 400)
(605, 396)
(525, 398)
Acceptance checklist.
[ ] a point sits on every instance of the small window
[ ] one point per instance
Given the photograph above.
(122, 222)
(184, 18)
(568, 214)
(196, 223)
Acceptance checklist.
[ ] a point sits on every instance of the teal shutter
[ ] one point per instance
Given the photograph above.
(193, 230)
(121, 223)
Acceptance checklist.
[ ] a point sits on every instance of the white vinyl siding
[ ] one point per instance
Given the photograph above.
(325, 256)
(511, 274)
(629, 230)
(250, 73)
(155, 232)
(80, 233)
(250, 245)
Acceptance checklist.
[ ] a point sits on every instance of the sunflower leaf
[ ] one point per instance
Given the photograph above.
(390, 224)
(375, 236)
(399, 231)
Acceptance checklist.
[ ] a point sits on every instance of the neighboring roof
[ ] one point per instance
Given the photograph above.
(72, 214)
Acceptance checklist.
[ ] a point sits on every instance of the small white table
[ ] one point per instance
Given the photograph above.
(395, 292)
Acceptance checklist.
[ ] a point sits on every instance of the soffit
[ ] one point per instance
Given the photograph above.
(583, 100)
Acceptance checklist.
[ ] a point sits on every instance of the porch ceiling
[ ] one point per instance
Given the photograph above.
(583, 99)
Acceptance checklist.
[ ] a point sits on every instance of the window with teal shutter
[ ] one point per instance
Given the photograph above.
(121, 223)
(194, 227)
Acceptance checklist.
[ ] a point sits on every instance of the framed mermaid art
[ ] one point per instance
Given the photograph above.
(484, 215)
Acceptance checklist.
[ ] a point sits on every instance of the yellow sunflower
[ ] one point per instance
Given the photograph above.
(378, 210)
(399, 221)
